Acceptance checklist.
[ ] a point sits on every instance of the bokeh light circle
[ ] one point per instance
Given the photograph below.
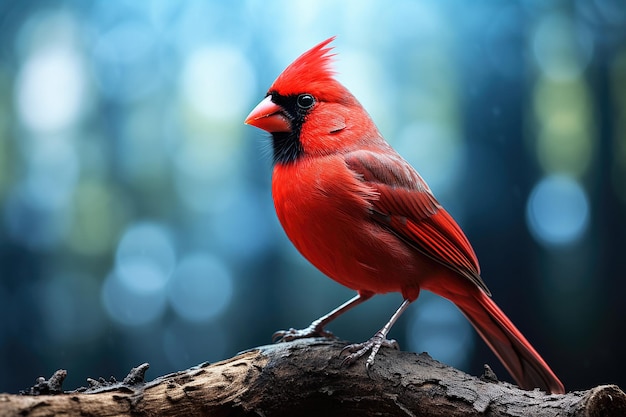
(145, 257)
(562, 49)
(129, 307)
(557, 211)
(218, 81)
(51, 89)
(440, 329)
(201, 287)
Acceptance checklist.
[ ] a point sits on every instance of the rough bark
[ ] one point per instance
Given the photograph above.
(306, 377)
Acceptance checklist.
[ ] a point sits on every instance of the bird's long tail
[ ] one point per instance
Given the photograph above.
(515, 352)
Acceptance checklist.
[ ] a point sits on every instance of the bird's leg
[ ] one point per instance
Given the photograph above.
(316, 329)
(379, 339)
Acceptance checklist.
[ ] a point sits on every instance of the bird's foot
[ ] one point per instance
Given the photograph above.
(359, 349)
(314, 330)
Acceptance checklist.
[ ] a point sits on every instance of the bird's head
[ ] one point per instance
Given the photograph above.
(307, 111)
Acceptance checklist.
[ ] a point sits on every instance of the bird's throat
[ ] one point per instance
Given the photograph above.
(286, 146)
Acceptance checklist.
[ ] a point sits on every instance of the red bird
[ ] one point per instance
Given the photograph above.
(363, 216)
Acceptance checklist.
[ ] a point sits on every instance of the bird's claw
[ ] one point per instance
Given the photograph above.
(357, 350)
(293, 334)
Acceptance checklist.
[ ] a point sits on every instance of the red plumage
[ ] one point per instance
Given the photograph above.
(362, 215)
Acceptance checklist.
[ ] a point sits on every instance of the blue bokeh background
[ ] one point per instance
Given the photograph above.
(136, 221)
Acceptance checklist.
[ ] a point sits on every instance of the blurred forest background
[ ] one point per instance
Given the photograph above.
(136, 221)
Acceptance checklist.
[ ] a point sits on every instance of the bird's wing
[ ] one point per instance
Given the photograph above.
(406, 206)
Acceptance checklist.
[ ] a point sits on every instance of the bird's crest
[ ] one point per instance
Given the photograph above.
(311, 73)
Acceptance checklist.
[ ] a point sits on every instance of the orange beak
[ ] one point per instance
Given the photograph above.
(269, 116)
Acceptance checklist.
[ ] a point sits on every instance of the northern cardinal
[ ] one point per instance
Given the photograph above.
(363, 216)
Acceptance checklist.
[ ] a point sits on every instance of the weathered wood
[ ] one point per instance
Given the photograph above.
(305, 377)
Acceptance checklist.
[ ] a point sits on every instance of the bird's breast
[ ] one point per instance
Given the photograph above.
(325, 210)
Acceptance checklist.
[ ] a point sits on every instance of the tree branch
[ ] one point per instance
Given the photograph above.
(306, 377)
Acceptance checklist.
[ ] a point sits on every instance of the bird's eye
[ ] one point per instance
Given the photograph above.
(305, 101)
